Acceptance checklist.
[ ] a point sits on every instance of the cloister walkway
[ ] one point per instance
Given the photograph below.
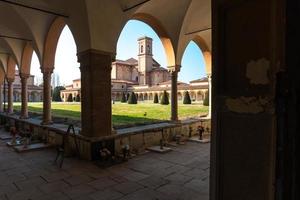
(180, 174)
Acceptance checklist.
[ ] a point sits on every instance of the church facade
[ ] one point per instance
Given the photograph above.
(145, 76)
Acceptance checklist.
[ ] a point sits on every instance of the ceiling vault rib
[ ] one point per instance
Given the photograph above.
(34, 8)
(197, 31)
(15, 38)
(136, 5)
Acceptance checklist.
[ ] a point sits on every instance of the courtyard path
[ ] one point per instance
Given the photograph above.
(182, 174)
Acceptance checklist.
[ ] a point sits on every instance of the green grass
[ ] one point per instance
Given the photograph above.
(124, 114)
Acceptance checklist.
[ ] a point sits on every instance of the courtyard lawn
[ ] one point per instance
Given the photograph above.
(123, 113)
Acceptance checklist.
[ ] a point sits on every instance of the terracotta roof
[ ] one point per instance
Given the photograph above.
(132, 61)
(201, 80)
(169, 83)
(123, 81)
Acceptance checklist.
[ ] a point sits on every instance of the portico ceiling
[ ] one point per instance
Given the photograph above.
(97, 24)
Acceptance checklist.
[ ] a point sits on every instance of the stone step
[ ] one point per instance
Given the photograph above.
(157, 149)
(31, 147)
(196, 139)
(5, 136)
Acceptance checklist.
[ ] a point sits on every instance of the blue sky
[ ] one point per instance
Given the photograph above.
(67, 68)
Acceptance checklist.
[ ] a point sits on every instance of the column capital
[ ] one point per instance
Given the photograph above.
(95, 59)
(175, 68)
(10, 80)
(24, 76)
(47, 70)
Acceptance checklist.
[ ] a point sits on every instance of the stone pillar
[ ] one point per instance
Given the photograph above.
(209, 96)
(10, 96)
(174, 101)
(1, 97)
(47, 118)
(95, 67)
(24, 96)
(243, 158)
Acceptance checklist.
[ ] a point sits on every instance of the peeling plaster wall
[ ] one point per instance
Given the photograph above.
(257, 71)
(249, 105)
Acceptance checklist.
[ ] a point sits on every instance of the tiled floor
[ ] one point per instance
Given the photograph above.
(182, 174)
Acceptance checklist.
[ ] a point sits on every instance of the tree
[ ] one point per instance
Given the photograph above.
(132, 98)
(187, 98)
(206, 99)
(123, 99)
(70, 98)
(77, 98)
(56, 93)
(164, 99)
(155, 98)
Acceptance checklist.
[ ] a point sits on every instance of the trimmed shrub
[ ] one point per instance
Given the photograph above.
(123, 99)
(206, 99)
(56, 93)
(77, 98)
(187, 98)
(164, 99)
(70, 98)
(155, 100)
(132, 98)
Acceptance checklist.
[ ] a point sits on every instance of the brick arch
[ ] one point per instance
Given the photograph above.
(157, 26)
(11, 68)
(51, 43)
(26, 59)
(201, 43)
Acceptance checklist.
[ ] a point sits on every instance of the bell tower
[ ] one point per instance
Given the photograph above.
(145, 59)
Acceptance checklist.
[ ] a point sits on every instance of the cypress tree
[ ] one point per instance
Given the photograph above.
(187, 98)
(155, 98)
(206, 99)
(70, 98)
(77, 98)
(132, 98)
(56, 93)
(164, 99)
(123, 99)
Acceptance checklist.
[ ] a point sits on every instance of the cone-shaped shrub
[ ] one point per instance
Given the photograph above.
(187, 98)
(123, 99)
(70, 98)
(206, 99)
(164, 99)
(77, 98)
(155, 98)
(132, 98)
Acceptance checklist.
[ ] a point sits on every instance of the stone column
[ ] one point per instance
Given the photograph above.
(95, 67)
(174, 101)
(209, 95)
(47, 118)
(24, 96)
(1, 98)
(10, 96)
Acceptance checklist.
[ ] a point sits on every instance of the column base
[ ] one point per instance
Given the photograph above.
(24, 117)
(177, 121)
(47, 123)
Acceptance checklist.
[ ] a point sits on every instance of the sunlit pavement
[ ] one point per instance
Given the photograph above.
(180, 174)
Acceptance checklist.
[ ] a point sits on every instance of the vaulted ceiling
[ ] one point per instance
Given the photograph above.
(97, 24)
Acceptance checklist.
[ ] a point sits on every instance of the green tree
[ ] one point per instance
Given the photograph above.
(155, 98)
(206, 99)
(56, 93)
(164, 99)
(70, 98)
(132, 98)
(77, 99)
(187, 98)
(123, 99)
